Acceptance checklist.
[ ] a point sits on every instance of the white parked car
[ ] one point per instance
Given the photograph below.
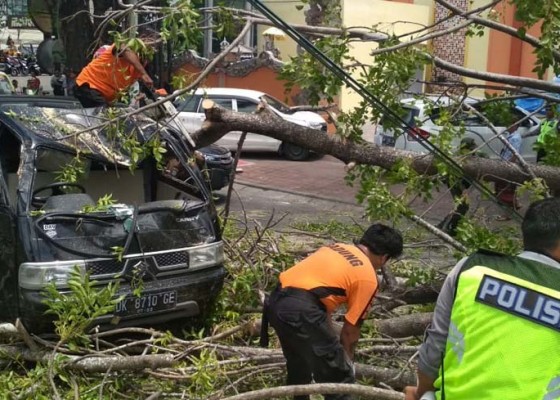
(192, 116)
(423, 117)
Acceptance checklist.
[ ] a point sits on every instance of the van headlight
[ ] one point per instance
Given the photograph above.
(206, 256)
(36, 276)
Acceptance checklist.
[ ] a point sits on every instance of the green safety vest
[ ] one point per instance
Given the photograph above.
(504, 335)
(548, 128)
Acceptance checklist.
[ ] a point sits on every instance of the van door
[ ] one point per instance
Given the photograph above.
(8, 264)
(9, 259)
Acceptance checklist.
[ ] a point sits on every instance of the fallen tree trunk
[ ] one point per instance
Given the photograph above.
(397, 379)
(405, 326)
(403, 295)
(91, 363)
(220, 121)
(102, 363)
(394, 350)
(390, 376)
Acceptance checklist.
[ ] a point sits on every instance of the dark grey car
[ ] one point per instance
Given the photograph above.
(166, 226)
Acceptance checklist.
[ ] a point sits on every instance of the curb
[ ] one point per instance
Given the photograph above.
(295, 192)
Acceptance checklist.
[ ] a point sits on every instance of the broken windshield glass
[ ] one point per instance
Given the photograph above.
(95, 134)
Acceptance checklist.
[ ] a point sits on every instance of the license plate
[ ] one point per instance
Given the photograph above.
(146, 303)
(388, 140)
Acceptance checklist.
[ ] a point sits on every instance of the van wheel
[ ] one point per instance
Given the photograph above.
(294, 153)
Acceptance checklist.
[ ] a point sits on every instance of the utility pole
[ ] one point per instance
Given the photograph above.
(208, 33)
(248, 40)
(133, 19)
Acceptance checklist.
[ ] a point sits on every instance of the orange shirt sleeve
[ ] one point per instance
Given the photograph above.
(359, 300)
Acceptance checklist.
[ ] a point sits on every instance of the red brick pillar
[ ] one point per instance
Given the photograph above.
(449, 47)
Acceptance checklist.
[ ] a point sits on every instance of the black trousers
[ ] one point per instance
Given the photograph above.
(88, 97)
(312, 349)
(451, 221)
(541, 153)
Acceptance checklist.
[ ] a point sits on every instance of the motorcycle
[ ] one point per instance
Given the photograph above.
(15, 66)
(32, 65)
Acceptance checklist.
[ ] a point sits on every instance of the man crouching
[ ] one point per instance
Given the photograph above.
(300, 308)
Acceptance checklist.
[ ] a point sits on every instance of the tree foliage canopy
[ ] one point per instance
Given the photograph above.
(375, 169)
(387, 78)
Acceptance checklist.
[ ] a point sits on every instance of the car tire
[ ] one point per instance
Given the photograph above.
(294, 153)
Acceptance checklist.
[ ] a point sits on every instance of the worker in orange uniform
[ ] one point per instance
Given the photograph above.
(109, 75)
(301, 307)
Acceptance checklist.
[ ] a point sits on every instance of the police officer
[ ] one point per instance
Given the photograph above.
(300, 308)
(495, 333)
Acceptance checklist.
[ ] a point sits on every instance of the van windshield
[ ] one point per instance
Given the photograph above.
(67, 124)
(408, 114)
(110, 207)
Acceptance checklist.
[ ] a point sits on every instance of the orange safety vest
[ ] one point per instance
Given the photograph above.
(109, 74)
(337, 274)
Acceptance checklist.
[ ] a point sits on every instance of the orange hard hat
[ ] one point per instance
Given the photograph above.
(162, 92)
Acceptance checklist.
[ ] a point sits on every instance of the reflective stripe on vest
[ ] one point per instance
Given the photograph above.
(504, 336)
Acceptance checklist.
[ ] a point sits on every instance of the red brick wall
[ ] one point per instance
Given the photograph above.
(449, 47)
(263, 79)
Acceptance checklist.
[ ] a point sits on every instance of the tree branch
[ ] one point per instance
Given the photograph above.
(367, 392)
(493, 77)
(221, 121)
(496, 26)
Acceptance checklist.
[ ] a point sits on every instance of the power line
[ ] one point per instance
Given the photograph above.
(352, 83)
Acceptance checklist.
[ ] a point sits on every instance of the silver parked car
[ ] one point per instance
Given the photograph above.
(423, 117)
(192, 116)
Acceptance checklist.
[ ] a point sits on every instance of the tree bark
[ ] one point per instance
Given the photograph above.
(76, 31)
(220, 121)
(92, 364)
(421, 294)
(390, 376)
(407, 325)
(366, 392)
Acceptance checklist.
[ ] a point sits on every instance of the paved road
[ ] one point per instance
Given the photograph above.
(320, 177)
(303, 191)
(318, 186)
